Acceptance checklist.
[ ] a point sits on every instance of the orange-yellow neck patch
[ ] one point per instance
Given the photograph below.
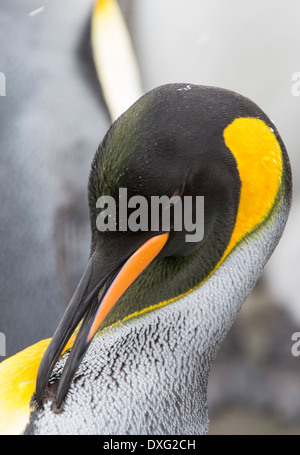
(17, 384)
(259, 161)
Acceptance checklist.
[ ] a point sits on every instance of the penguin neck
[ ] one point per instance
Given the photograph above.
(168, 353)
(168, 277)
(148, 375)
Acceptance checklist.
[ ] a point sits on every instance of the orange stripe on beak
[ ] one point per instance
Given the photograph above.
(129, 272)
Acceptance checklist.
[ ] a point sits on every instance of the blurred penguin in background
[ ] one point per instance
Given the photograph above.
(51, 120)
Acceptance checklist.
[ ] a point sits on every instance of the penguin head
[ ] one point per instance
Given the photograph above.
(162, 147)
(220, 167)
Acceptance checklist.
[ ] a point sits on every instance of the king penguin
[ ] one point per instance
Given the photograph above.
(151, 308)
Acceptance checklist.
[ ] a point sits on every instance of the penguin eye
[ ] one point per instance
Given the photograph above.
(177, 194)
(174, 198)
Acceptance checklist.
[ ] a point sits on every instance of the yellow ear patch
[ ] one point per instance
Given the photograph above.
(17, 384)
(259, 161)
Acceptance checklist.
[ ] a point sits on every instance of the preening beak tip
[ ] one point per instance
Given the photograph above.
(85, 305)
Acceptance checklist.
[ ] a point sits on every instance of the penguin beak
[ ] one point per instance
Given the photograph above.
(85, 305)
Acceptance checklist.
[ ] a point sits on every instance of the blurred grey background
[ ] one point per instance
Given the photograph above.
(51, 122)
